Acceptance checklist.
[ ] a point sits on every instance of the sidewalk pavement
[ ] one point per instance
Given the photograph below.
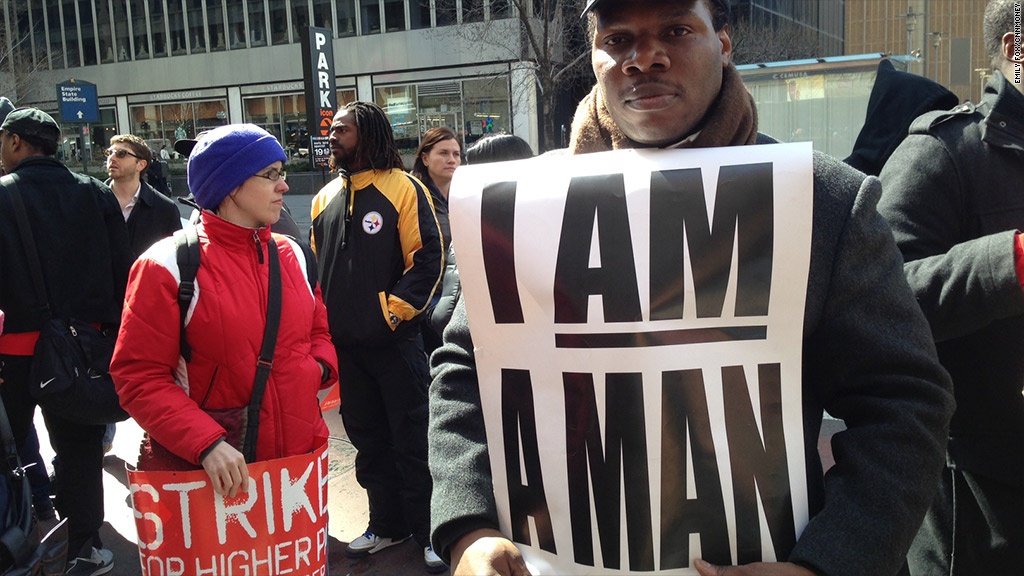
(346, 504)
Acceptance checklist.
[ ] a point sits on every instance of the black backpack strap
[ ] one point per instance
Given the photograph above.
(186, 243)
(266, 359)
(28, 240)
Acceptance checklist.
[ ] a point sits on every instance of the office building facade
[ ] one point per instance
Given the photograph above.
(168, 69)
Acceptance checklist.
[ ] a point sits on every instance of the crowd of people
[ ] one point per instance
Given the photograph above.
(913, 333)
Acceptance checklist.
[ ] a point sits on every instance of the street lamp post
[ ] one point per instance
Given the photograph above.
(911, 18)
(936, 40)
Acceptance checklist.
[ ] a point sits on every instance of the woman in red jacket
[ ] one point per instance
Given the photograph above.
(235, 174)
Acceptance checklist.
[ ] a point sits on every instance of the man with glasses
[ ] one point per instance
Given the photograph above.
(84, 255)
(149, 215)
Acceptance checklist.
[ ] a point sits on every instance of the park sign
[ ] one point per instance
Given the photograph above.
(321, 89)
(77, 100)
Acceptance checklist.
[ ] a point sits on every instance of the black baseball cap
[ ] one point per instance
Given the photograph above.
(34, 123)
(723, 4)
(184, 146)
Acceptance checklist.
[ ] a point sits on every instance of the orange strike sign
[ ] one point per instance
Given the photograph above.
(278, 527)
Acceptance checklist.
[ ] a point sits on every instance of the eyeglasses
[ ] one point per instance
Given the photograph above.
(274, 175)
(120, 153)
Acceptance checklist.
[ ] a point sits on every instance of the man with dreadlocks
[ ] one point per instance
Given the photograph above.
(379, 248)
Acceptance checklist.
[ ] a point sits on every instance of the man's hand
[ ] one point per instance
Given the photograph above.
(486, 552)
(227, 470)
(756, 569)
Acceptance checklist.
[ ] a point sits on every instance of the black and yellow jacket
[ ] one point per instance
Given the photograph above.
(378, 246)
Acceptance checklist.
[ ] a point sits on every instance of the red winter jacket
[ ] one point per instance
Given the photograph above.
(224, 327)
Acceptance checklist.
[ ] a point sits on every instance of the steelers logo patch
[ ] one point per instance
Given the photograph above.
(372, 222)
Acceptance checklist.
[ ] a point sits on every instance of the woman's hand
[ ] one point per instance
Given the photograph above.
(227, 470)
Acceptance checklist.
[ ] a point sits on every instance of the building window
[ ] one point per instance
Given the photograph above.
(120, 31)
(346, 18)
(215, 22)
(161, 124)
(196, 34)
(446, 12)
(283, 116)
(53, 26)
(346, 96)
(419, 14)
(322, 13)
(257, 23)
(88, 32)
(156, 18)
(369, 16)
(139, 33)
(39, 35)
(71, 34)
(487, 109)
(300, 18)
(394, 15)
(278, 22)
(236, 25)
(472, 108)
(501, 9)
(176, 20)
(399, 103)
(472, 11)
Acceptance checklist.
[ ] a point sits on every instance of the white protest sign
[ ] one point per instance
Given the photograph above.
(637, 317)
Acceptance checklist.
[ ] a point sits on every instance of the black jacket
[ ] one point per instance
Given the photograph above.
(82, 242)
(153, 218)
(953, 198)
(897, 98)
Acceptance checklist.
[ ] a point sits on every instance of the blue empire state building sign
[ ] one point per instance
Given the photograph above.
(77, 100)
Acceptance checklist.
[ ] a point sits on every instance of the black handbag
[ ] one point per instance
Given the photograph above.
(22, 552)
(70, 374)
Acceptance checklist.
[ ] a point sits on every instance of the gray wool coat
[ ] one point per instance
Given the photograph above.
(868, 359)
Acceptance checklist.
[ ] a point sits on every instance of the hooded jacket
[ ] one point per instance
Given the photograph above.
(224, 326)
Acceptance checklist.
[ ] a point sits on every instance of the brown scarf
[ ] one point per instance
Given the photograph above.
(731, 121)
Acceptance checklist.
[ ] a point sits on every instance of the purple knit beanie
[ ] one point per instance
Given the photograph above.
(227, 156)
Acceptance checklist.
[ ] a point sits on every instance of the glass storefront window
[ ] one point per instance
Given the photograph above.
(197, 38)
(71, 33)
(345, 96)
(369, 13)
(283, 116)
(257, 23)
(346, 18)
(394, 15)
(440, 105)
(215, 22)
(156, 19)
(487, 107)
(139, 33)
(88, 33)
(278, 22)
(399, 103)
(167, 123)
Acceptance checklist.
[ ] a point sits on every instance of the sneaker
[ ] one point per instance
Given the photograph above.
(370, 543)
(433, 561)
(100, 561)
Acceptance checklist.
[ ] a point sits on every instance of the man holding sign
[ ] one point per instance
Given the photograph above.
(689, 440)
